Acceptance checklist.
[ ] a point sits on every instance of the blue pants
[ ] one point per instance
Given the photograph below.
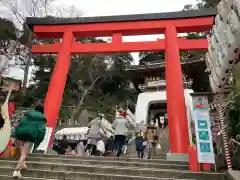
(119, 142)
(140, 153)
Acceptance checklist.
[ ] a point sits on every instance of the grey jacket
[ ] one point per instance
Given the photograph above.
(120, 126)
(95, 128)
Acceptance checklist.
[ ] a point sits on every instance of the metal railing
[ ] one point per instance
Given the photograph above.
(161, 84)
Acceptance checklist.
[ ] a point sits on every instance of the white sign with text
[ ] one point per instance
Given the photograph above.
(203, 136)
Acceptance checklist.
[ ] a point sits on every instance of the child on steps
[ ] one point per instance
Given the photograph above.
(140, 145)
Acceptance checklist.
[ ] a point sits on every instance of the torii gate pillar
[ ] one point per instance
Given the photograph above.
(57, 84)
(178, 125)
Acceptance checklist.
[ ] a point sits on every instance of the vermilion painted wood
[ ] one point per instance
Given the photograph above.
(118, 46)
(126, 28)
(178, 126)
(117, 38)
(56, 87)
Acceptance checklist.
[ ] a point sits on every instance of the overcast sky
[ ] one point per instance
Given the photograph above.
(122, 7)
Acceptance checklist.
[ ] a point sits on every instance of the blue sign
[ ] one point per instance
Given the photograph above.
(202, 124)
(205, 147)
(203, 136)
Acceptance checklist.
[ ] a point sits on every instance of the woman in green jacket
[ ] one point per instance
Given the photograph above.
(31, 129)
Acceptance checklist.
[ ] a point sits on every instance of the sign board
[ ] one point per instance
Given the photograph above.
(203, 136)
(162, 119)
(157, 83)
(203, 128)
(200, 102)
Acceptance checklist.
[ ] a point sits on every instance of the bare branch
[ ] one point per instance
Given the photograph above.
(80, 104)
(70, 11)
(90, 74)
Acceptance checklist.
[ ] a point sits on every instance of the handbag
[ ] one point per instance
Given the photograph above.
(124, 149)
(144, 143)
(155, 138)
(159, 146)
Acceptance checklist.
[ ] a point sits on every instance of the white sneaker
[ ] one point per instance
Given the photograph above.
(17, 174)
(87, 153)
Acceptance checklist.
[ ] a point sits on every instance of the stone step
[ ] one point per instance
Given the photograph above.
(105, 172)
(96, 177)
(135, 156)
(68, 166)
(128, 159)
(6, 177)
(115, 161)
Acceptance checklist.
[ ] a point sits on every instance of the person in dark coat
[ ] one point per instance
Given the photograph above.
(31, 129)
(110, 146)
(139, 141)
(61, 146)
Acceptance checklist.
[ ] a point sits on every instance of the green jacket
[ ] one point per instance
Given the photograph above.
(31, 128)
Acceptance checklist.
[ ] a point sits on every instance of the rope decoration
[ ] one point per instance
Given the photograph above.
(220, 110)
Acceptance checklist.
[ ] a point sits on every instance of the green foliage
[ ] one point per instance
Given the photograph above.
(104, 73)
(232, 106)
(202, 4)
(232, 111)
(8, 31)
(146, 57)
(26, 36)
(210, 3)
(160, 56)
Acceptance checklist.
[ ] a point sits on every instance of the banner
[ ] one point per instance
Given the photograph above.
(5, 131)
(203, 136)
(44, 144)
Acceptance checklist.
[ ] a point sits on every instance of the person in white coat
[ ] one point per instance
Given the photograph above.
(94, 135)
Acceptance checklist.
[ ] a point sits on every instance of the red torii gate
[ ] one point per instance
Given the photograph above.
(117, 26)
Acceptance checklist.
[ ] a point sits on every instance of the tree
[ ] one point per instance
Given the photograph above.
(202, 4)
(232, 99)
(20, 9)
(232, 111)
(146, 57)
(8, 31)
(101, 83)
(7, 34)
(149, 56)
(93, 80)
(9, 45)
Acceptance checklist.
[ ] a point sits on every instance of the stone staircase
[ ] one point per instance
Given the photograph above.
(103, 168)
